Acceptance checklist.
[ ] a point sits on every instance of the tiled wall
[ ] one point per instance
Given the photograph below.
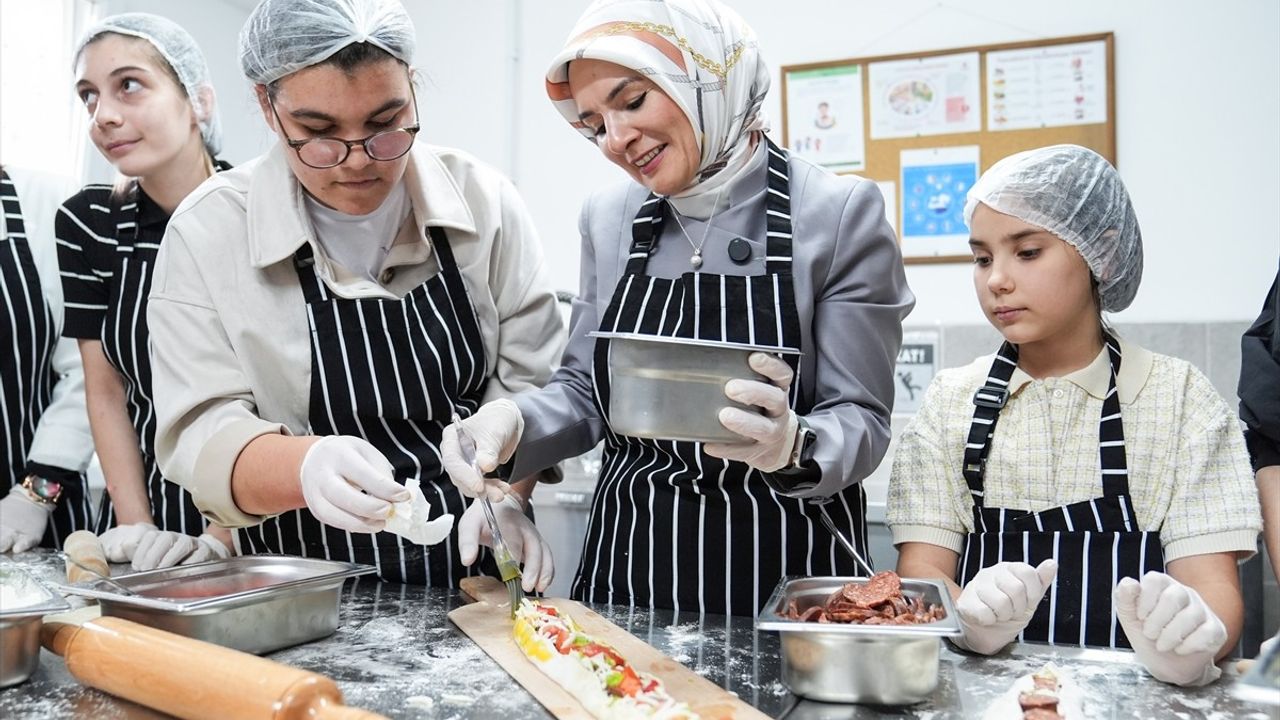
(1214, 347)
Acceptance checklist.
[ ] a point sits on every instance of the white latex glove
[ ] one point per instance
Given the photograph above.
(349, 484)
(522, 538)
(22, 521)
(1173, 632)
(165, 548)
(496, 428)
(770, 437)
(1266, 645)
(999, 602)
(120, 543)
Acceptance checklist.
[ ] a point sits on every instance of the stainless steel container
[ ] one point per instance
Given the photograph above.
(20, 625)
(673, 388)
(254, 603)
(871, 664)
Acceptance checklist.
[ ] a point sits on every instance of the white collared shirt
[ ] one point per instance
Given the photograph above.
(1189, 474)
(231, 352)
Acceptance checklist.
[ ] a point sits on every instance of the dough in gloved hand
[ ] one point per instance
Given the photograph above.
(409, 518)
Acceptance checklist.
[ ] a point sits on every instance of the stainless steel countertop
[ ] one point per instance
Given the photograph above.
(396, 653)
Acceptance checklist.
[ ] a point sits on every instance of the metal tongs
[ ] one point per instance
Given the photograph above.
(122, 589)
(863, 565)
(508, 568)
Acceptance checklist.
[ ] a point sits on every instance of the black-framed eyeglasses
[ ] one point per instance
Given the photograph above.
(327, 152)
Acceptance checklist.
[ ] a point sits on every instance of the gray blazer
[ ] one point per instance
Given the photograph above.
(851, 297)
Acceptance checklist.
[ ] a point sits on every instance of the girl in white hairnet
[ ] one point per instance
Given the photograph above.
(146, 87)
(320, 313)
(1074, 489)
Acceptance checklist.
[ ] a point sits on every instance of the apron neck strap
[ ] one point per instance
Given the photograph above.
(646, 229)
(991, 398)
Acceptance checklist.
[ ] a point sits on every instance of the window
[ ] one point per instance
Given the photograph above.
(42, 124)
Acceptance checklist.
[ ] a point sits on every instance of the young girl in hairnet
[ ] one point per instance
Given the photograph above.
(1074, 489)
(146, 87)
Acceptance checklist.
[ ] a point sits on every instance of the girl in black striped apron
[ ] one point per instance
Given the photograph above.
(354, 288)
(155, 122)
(671, 92)
(45, 446)
(1084, 571)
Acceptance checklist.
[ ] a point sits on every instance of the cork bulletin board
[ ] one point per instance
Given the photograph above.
(926, 124)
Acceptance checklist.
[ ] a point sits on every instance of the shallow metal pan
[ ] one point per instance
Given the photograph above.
(20, 626)
(254, 603)
(666, 388)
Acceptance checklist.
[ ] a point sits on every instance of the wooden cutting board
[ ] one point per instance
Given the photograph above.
(488, 623)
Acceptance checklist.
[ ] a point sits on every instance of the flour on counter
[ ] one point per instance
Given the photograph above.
(17, 592)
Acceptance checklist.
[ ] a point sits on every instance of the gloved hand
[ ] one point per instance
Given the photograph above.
(120, 543)
(22, 521)
(1266, 645)
(496, 428)
(165, 548)
(522, 538)
(771, 436)
(999, 602)
(349, 484)
(1173, 632)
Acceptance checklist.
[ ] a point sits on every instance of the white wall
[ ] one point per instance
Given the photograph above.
(1198, 97)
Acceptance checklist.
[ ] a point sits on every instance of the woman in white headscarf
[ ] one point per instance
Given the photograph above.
(320, 313)
(719, 235)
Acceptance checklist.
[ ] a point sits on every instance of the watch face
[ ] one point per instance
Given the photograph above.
(46, 488)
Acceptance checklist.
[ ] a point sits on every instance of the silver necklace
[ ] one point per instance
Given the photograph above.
(696, 259)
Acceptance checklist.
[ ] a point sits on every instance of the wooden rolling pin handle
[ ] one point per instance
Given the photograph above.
(84, 547)
(191, 678)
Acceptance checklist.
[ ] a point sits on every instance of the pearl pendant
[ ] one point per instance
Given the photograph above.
(696, 260)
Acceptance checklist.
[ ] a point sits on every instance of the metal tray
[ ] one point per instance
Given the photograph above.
(254, 603)
(20, 626)
(667, 388)
(845, 662)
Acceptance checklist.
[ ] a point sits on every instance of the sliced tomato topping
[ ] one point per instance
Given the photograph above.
(592, 649)
(560, 637)
(651, 685)
(630, 684)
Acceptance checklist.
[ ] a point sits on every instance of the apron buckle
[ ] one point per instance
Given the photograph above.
(989, 396)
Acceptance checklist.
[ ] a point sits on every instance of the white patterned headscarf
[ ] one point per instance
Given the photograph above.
(698, 52)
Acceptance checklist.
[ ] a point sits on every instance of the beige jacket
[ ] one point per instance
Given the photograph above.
(230, 341)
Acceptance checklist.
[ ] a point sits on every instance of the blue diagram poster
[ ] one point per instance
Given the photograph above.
(935, 182)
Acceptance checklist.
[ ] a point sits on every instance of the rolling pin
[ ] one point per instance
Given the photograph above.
(84, 548)
(191, 678)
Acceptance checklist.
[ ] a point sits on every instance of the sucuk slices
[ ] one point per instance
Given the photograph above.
(593, 672)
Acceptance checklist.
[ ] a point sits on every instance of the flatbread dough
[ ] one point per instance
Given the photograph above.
(409, 518)
(587, 669)
(1007, 707)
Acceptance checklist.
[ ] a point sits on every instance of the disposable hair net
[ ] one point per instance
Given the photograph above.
(179, 49)
(284, 36)
(1074, 193)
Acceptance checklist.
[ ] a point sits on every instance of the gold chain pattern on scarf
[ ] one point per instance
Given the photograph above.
(720, 71)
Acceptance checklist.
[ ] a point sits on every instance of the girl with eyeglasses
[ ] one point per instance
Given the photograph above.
(146, 86)
(322, 312)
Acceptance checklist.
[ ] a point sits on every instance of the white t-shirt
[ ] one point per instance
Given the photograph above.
(360, 243)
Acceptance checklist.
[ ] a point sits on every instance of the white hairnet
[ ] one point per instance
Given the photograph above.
(284, 36)
(1074, 193)
(179, 49)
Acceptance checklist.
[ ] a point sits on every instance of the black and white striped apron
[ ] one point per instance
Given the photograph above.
(26, 366)
(391, 372)
(673, 527)
(126, 344)
(1096, 542)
